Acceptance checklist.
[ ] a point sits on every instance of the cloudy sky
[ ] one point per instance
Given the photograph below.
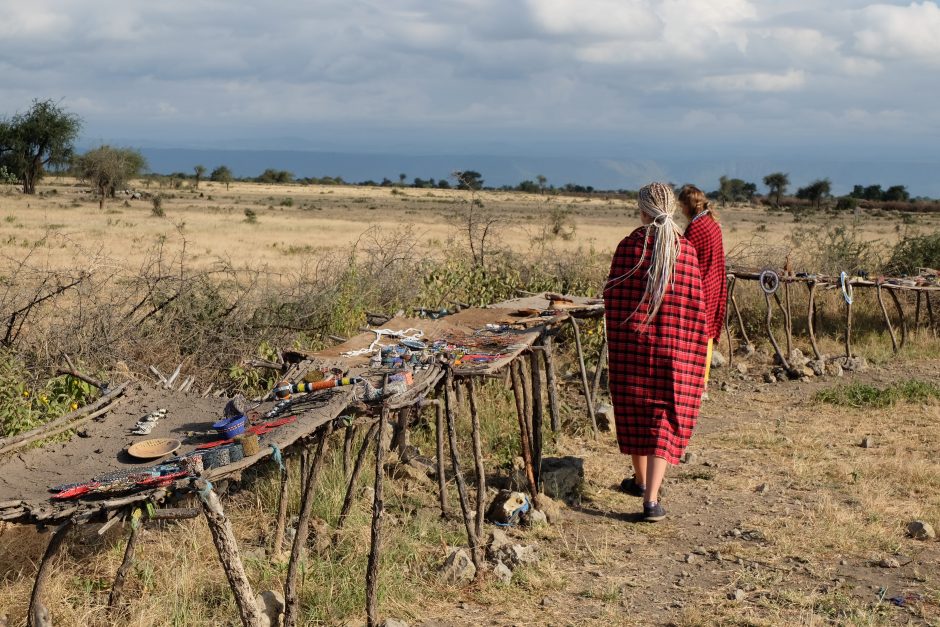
(561, 77)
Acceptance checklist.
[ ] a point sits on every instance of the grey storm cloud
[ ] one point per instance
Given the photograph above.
(709, 68)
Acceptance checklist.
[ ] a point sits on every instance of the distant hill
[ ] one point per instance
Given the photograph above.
(920, 177)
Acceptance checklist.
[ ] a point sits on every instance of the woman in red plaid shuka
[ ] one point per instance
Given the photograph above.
(656, 328)
(704, 233)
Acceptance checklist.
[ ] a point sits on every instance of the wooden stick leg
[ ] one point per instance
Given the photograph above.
(788, 318)
(601, 364)
(449, 401)
(348, 439)
(523, 434)
(354, 477)
(281, 521)
(916, 325)
(291, 592)
(378, 508)
(901, 318)
(584, 380)
(117, 588)
(810, 319)
(225, 544)
(537, 417)
(551, 383)
(933, 322)
(770, 333)
(38, 615)
(477, 457)
(440, 429)
(848, 331)
(884, 311)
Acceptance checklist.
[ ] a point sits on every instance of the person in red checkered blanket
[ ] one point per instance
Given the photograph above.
(658, 338)
(704, 233)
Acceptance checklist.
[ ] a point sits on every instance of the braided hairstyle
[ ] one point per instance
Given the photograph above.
(658, 202)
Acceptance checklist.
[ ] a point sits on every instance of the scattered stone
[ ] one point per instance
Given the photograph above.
(547, 602)
(762, 489)
(920, 530)
(271, 605)
(746, 349)
(367, 494)
(406, 472)
(867, 442)
(534, 518)
(517, 554)
(855, 364)
(563, 477)
(689, 558)
(736, 533)
(844, 562)
(889, 562)
(818, 367)
(502, 572)
(718, 360)
(741, 367)
(780, 373)
(807, 372)
(834, 369)
(700, 550)
(689, 458)
(319, 538)
(83, 433)
(394, 622)
(458, 567)
(724, 386)
(769, 378)
(496, 542)
(738, 595)
(551, 508)
(506, 507)
(604, 415)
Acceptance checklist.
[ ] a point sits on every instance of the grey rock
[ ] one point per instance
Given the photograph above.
(718, 360)
(889, 562)
(739, 595)
(855, 364)
(807, 372)
(818, 367)
(769, 378)
(834, 369)
(497, 541)
(762, 489)
(690, 457)
(920, 530)
(518, 555)
(458, 567)
(604, 415)
(271, 605)
(746, 349)
(563, 477)
(367, 494)
(867, 442)
(741, 367)
(502, 572)
(689, 558)
(534, 518)
(551, 508)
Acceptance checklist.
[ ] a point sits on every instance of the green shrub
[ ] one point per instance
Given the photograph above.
(911, 253)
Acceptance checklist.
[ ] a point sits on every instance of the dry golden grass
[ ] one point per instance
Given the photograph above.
(296, 221)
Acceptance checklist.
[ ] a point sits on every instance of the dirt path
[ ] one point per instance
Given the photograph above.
(774, 522)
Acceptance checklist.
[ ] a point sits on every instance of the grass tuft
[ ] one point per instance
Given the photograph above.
(863, 395)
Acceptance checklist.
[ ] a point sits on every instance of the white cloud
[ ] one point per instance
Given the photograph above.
(755, 81)
(898, 32)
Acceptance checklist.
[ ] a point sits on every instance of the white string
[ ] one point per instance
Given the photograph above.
(375, 345)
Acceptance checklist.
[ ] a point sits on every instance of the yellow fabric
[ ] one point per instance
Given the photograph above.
(708, 360)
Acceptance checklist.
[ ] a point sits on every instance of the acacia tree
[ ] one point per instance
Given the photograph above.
(200, 171)
(777, 185)
(222, 174)
(42, 137)
(106, 168)
(815, 192)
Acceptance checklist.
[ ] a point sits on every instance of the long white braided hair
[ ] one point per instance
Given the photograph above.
(658, 202)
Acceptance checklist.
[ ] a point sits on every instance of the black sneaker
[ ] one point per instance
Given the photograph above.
(653, 512)
(629, 486)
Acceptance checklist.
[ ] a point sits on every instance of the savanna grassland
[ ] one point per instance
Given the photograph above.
(781, 517)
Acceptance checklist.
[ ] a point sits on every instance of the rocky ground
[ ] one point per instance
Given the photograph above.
(788, 511)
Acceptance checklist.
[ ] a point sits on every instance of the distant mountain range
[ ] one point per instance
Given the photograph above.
(920, 177)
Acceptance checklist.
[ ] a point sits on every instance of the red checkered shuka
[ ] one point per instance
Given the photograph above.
(705, 234)
(657, 369)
